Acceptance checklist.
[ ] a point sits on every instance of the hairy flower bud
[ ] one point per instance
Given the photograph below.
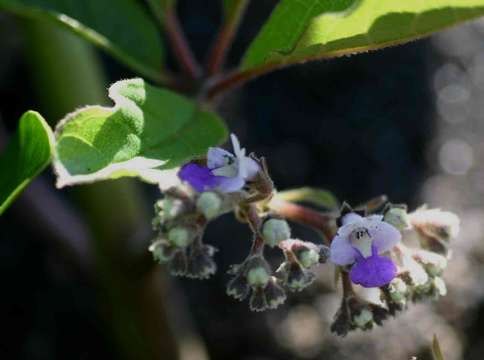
(238, 287)
(275, 230)
(364, 319)
(398, 290)
(258, 301)
(181, 236)
(297, 278)
(209, 204)
(178, 265)
(162, 250)
(435, 228)
(200, 262)
(170, 207)
(308, 257)
(433, 263)
(258, 272)
(275, 294)
(397, 216)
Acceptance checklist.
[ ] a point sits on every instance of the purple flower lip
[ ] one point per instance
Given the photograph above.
(224, 172)
(359, 242)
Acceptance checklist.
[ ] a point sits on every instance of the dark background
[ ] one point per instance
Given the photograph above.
(359, 126)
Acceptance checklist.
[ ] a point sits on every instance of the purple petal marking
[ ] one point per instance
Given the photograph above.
(230, 184)
(373, 271)
(342, 253)
(384, 236)
(216, 157)
(199, 177)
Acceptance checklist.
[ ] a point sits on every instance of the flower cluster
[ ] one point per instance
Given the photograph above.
(371, 245)
(375, 251)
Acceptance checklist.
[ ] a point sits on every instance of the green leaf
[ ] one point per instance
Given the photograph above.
(121, 27)
(28, 153)
(310, 195)
(149, 131)
(436, 351)
(314, 29)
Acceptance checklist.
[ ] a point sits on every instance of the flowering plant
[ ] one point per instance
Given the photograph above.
(164, 129)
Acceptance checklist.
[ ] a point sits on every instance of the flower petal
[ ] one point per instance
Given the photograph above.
(384, 236)
(251, 167)
(230, 184)
(342, 253)
(217, 157)
(199, 177)
(373, 271)
(350, 218)
(236, 145)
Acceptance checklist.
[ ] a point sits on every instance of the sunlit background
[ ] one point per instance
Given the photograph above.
(405, 122)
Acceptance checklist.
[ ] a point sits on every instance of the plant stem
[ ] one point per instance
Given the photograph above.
(225, 37)
(321, 222)
(180, 45)
(222, 84)
(347, 285)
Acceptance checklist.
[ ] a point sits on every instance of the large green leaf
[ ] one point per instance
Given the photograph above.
(312, 29)
(25, 157)
(121, 27)
(147, 132)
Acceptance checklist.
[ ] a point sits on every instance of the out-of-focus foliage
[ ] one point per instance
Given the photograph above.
(121, 27)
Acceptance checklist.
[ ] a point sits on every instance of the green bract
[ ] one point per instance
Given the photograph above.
(147, 132)
(25, 157)
(313, 29)
(121, 27)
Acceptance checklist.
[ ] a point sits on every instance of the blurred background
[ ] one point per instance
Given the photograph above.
(405, 122)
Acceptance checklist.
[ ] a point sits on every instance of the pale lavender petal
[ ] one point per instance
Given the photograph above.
(230, 184)
(217, 157)
(236, 145)
(350, 218)
(373, 271)
(199, 177)
(342, 253)
(384, 236)
(252, 168)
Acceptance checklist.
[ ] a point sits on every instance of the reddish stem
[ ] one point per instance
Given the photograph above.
(180, 45)
(235, 79)
(306, 216)
(225, 37)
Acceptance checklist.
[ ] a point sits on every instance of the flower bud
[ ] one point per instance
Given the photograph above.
(170, 207)
(178, 265)
(258, 272)
(398, 217)
(275, 294)
(258, 301)
(364, 319)
(162, 250)
(433, 263)
(274, 231)
(297, 278)
(238, 287)
(180, 236)
(398, 290)
(435, 228)
(200, 262)
(439, 285)
(209, 204)
(308, 257)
